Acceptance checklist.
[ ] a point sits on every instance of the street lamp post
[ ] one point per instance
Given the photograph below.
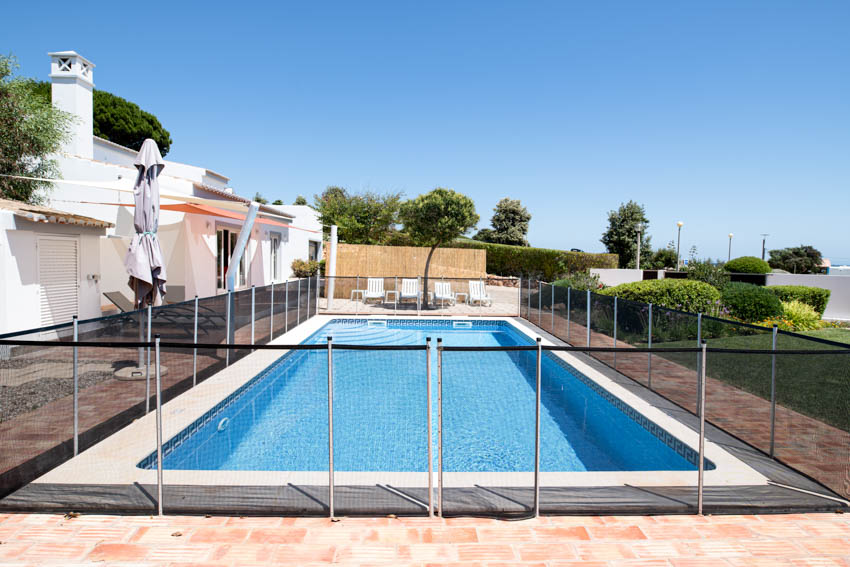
(729, 256)
(678, 243)
(763, 241)
(639, 228)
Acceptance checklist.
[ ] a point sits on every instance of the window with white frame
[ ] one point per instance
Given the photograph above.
(274, 263)
(225, 244)
(314, 250)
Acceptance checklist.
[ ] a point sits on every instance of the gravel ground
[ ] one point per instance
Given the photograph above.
(29, 396)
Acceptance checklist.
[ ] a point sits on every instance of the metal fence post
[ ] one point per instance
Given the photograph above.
(419, 297)
(528, 306)
(76, 390)
(539, 302)
(148, 365)
(356, 305)
(537, 433)
(552, 326)
(195, 349)
(298, 305)
(253, 310)
(519, 298)
(701, 467)
(227, 323)
(286, 307)
(308, 298)
(615, 332)
(330, 428)
(588, 318)
(649, 345)
(158, 432)
(395, 299)
(699, 357)
(318, 286)
(440, 426)
(430, 456)
(773, 391)
(569, 290)
(271, 315)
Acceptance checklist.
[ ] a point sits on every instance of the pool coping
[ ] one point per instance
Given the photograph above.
(114, 460)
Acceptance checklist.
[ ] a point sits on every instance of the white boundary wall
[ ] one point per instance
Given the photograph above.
(611, 277)
(838, 307)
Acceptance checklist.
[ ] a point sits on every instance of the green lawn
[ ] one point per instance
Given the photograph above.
(841, 335)
(814, 385)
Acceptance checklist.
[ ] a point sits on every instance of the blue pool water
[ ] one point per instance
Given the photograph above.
(278, 420)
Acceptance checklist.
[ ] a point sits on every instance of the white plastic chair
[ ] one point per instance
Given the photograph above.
(409, 289)
(443, 293)
(375, 290)
(478, 293)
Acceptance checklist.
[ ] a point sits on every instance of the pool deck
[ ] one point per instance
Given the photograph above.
(813, 540)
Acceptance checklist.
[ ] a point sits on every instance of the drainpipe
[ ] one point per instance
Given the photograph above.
(235, 258)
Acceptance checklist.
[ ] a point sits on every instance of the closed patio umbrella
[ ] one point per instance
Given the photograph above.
(144, 261)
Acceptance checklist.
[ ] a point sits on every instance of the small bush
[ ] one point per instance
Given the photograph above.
(685, 295)
(747, 265)
(813, 296)
(581, 281)
(802, 316)
(750, 302)
(304, 268)
(704, 271)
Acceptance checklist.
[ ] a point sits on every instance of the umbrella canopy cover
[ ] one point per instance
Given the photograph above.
(144, 260)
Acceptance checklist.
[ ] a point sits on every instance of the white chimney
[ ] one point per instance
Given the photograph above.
(72, 83)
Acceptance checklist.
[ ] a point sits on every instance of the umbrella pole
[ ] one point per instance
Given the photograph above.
(141, 320)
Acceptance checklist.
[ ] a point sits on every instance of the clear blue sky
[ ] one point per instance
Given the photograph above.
(730, 116)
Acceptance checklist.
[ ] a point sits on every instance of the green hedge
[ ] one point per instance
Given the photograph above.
(685, 295)
(545, 263)
(814, 296)
(747, 265)
(750, 302)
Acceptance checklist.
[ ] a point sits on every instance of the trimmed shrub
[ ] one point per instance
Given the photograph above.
(747, 265)
(705, 271)
(813, 296)
(581, 281)
(685, 295)
(750, 302)
(304, 269)
(545, 263)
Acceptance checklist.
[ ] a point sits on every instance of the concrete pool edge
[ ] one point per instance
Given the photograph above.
(113, 460)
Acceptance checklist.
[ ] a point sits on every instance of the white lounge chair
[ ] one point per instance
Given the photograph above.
(375, 290)
(409, 290)
(443, 293)
(478, 293)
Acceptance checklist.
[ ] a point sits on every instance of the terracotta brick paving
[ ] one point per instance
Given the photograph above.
(623, 541)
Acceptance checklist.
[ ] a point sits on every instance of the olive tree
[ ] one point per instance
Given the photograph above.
(31, 131)
(435, 218)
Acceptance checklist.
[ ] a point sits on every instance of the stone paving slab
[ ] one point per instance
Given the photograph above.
(612, 541)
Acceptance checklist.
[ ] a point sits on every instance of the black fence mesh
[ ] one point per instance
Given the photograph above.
(488, 432)
(805, 427)
(115, 384)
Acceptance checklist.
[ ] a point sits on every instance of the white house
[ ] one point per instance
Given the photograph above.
(200, 219)
(50, 266)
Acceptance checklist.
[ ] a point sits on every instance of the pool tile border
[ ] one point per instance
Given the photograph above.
(681, 448)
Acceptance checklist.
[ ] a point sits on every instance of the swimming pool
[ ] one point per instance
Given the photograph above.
(277, 421)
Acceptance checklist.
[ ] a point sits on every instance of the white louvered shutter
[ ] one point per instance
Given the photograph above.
(58, 276)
